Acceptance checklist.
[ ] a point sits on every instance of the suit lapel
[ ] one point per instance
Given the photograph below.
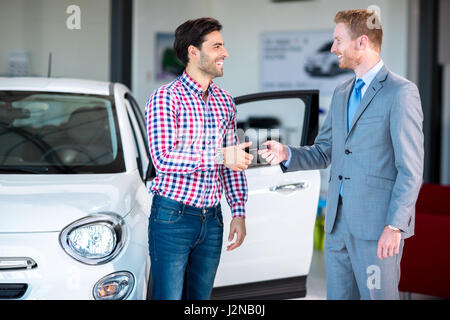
(374, 87)
(347, 91)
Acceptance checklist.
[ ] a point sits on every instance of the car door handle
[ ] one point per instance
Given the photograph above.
(290, 187)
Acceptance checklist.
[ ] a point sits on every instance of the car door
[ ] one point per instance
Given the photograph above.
(143, 160)
(275, 258)
(137, 120)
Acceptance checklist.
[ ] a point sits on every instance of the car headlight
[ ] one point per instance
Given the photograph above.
(95, 239)
(116, 286)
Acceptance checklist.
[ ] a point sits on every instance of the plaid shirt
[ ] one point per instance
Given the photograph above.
(184, 133)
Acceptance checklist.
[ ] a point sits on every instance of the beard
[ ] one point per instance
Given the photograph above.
(208, 66)
(350, 60)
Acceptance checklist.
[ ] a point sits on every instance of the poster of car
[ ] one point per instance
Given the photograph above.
(300, 60)
(168, 66)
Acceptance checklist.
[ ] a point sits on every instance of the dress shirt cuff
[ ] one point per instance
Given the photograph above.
(288, 161)
(207, 159)
(238, 209)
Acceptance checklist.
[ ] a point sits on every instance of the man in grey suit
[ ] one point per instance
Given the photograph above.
(373, 138)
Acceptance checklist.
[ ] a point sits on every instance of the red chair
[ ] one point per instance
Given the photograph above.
(425, 265)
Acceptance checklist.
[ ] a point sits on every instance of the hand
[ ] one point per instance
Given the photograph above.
(237, 226)
(389, 243)
(235, 158)
(275, 152)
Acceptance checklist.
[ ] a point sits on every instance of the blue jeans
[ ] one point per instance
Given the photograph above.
(185, 244)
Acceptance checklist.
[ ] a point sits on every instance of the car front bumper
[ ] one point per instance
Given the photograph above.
(57, 276)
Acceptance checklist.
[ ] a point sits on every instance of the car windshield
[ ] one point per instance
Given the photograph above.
(45, 132)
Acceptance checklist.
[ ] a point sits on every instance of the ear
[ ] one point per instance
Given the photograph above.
(363, 42)
(193, 52)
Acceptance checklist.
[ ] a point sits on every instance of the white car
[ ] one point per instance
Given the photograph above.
(323, 63)
(74, 205)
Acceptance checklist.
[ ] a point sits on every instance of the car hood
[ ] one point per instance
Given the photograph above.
(45, 203)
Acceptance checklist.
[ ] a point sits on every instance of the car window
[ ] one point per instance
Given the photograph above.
(66, 133)
(136, 146)
(139, 115)
(281, 120)
(140, 119)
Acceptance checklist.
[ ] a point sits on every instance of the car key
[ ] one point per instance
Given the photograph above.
(261, 147)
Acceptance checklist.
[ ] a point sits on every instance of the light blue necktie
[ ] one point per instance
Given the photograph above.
(353, 103)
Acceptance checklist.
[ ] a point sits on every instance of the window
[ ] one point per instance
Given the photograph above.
(279, 119)
(140, 119)
(136, 146)
(64, 133)
(151, 173)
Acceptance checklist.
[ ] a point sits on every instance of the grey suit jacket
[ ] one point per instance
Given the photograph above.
(379, 161)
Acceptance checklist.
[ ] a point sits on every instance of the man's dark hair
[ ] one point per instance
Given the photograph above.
(193, 32)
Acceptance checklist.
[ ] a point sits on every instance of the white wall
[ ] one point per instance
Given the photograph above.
(243, 22)
(39, 26)
(150, 17)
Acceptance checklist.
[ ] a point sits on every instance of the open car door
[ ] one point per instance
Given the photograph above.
(275, 258)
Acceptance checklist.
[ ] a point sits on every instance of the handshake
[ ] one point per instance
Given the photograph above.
(236, 159)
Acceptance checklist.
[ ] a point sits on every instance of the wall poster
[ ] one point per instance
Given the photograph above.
(168, 67)
(300, 60)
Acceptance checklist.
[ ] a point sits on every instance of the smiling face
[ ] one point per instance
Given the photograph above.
(212, 54)
(346, 48)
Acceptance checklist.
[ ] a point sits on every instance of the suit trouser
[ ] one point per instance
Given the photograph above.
(353, 269)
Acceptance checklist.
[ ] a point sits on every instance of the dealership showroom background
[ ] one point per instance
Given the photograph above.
(118, 41)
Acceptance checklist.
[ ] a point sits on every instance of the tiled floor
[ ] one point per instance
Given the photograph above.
(316, 284)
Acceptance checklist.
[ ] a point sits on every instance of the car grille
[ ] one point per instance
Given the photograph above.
(12, 290)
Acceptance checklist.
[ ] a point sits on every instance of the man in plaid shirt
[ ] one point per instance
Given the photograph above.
(191, 126)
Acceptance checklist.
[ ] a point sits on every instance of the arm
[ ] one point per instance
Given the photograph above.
(406, 120)
(407, 139)
(317, 156)
(236, 192)
(162, 129)
(234, 182)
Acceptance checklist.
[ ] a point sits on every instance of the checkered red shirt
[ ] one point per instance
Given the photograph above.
(184, 133)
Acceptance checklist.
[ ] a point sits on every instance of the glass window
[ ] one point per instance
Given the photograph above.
(139, 115)
(136, 146)
(140, 119)
(63, 133)
(276, 119)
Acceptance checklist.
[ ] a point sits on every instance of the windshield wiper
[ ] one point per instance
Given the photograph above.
(26, 169)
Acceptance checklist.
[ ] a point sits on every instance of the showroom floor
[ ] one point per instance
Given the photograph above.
(316, 284)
